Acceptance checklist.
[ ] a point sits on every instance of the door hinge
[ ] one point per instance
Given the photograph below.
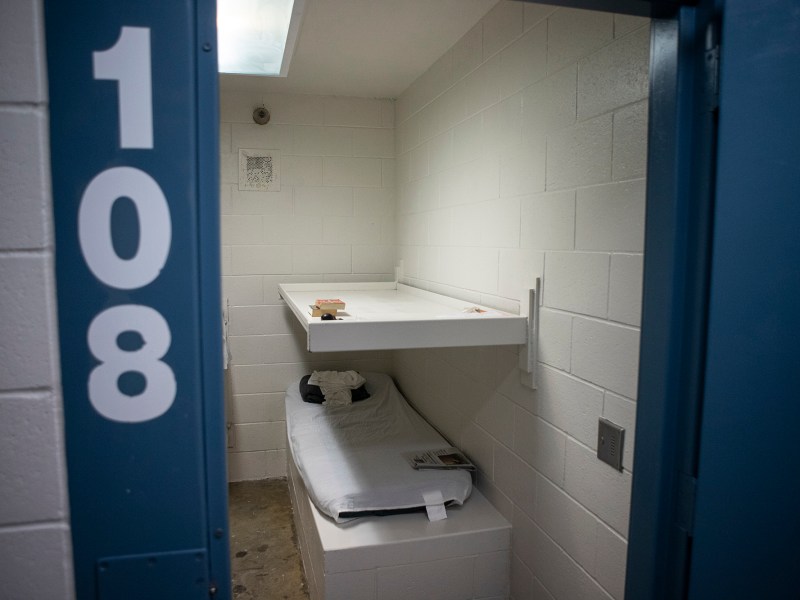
(230, 433)
(687, 492)
(712, 67)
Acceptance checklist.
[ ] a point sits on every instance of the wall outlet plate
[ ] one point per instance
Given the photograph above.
(610, 441)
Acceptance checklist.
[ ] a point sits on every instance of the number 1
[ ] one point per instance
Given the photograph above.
(128, 62)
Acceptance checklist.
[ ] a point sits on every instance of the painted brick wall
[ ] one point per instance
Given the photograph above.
(521, 152)
(35, 550)
(332, 220)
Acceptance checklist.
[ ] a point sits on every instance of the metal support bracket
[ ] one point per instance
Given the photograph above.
(528, 352)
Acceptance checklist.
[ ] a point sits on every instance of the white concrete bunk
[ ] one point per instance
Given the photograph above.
(466, 555)
(403, 556)
(391, 316)
(406, 555)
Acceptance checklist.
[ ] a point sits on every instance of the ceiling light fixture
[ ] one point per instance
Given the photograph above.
(257, 37)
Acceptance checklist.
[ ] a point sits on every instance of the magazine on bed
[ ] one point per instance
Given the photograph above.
(441, 458)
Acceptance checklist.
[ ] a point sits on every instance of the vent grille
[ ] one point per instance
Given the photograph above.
(259, 170)
(610, 439)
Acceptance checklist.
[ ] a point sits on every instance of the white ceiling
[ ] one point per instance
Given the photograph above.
(368, 48)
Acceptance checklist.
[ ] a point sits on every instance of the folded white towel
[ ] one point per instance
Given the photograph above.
(336, 386)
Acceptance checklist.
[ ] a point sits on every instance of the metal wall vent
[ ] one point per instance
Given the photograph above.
(259, 170)
(610, 440)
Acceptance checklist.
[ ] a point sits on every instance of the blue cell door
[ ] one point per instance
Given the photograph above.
(133, 124)
(747, 513)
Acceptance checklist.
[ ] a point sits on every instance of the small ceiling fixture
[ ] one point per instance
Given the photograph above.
(258, 37)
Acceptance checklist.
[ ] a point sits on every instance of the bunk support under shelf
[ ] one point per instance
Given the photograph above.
(527, 355)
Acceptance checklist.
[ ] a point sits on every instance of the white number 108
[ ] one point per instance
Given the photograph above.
(128, 63)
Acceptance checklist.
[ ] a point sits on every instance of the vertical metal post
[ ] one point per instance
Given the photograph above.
(681, 137)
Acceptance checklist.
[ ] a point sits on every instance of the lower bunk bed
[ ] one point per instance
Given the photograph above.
(356, 451)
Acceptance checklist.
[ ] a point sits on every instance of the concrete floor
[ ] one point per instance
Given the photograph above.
(265, 561)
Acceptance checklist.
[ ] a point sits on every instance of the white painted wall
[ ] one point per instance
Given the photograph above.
(35, 549)
(521, 152)
(332, 220)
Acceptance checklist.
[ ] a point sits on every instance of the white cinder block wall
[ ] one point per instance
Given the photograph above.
(521, 152)
(35, 550)
(332, 220)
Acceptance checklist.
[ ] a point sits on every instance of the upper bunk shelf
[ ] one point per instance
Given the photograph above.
(390, 316)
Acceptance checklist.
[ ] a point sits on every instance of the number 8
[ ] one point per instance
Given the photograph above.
(160, 387)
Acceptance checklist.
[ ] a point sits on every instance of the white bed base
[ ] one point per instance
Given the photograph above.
(403, 557)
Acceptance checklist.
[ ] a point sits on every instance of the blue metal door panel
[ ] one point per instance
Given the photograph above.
(134, 207)
(181, 575)
(747, 519)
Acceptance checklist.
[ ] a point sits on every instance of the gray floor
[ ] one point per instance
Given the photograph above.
(265, 561)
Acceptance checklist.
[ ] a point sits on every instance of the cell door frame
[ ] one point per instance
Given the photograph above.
(679, 209)
(678, 218)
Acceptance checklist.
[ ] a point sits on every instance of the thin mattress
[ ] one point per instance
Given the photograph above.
(351, 457)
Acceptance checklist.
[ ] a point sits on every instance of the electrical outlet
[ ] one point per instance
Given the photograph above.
(610, 440)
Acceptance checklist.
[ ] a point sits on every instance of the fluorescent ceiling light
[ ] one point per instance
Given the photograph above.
(257, 37)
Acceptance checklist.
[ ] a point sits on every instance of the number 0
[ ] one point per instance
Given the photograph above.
(94, 227)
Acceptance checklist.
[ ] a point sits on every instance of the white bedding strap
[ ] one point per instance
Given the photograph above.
(434, 505)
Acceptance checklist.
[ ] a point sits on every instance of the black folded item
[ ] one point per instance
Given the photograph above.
(313, 393)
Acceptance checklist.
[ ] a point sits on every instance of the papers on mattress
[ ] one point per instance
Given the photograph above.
(441, 458)
(351, 457)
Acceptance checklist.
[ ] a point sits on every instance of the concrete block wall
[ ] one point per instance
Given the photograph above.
(35, 549)
(332, 220)
(521, 153)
